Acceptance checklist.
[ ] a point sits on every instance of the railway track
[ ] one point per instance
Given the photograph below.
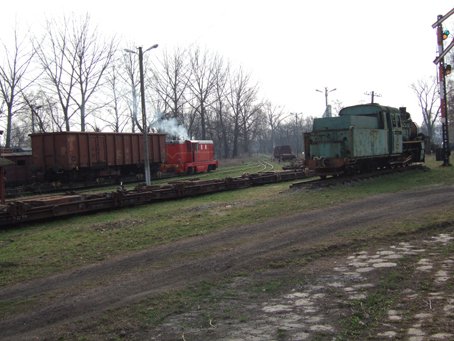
(266, 166)
(256, 167)
(349, 179)
(54, 206)
(55, 188)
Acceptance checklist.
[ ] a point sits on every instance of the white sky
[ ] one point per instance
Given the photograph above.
(289, 47)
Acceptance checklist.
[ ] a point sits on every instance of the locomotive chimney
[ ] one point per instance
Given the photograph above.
(403, 113)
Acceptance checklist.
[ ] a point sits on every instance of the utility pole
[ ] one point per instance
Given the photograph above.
(296, 134)
(442, 72)
(326, 94)
(372, 95)
(146, 149)
(327, 107)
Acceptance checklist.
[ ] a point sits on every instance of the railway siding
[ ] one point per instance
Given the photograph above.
(49, 207)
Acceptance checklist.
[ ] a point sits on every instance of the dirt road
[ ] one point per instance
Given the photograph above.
(63, 304)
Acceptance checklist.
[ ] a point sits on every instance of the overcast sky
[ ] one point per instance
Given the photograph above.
(289, 47)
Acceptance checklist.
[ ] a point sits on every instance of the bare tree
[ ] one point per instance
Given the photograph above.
(58, 68)
(251, 117)
(274, 117)
(117, 119)
(241, 98)
(19, 136)
(337, 106)
(202, 83)
(92, 56)
(13, 80)
(73, 58)
(30, 101)
(131, 77)
(43, 111)
(220, 107)
(172, 83)
(2, 107)
(427, 93)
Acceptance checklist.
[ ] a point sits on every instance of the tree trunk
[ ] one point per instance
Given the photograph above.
(9, 125)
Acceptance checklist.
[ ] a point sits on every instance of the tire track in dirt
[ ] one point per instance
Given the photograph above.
(83, 293)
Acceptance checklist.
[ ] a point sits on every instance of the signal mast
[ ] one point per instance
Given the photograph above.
(443, 71)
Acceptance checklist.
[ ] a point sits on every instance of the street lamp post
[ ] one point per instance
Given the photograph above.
(296, 134)
(327, 107)
(326, 94)
(146, 160)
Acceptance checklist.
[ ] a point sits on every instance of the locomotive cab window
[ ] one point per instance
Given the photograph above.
(394, 121)
(382, 120)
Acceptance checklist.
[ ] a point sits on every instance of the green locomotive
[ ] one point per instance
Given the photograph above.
(362, 138)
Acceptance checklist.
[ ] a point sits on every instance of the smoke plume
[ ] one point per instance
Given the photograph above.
(171, 127)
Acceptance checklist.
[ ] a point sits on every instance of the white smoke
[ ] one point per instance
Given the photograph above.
(171, 127)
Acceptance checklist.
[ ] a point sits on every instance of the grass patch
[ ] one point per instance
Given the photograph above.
(368, 313)
(41, 249)
(153, 311)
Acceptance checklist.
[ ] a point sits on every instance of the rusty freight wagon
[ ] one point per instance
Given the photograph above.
(84, 156)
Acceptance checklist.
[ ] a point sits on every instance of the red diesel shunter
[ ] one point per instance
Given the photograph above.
(189, 157)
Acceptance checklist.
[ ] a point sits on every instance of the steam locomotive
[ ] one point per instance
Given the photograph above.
(362, 138)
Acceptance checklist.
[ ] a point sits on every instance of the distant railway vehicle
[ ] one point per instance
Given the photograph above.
(20, 171)
(362, 138)
(283, 153)
(189, 157)
(81, 156)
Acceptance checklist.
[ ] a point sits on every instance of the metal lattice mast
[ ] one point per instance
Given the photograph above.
(442, 71)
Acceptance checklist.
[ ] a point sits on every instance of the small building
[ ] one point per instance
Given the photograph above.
(3, 164)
